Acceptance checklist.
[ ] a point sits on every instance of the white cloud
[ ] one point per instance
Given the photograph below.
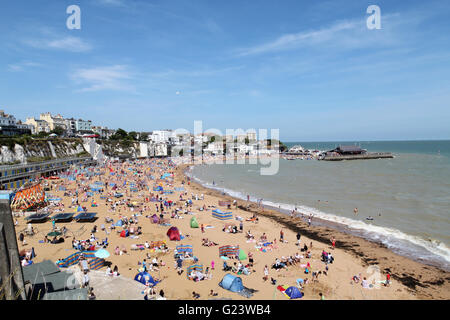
(21, 66)
(111, 2)
(342, 35)
(104, 78)
(292, 40)
(69, 43)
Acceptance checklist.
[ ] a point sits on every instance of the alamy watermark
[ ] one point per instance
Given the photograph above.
(374, 20)
(74, 20)
(236, 146)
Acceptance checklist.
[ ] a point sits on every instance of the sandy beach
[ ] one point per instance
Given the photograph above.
(352, 255)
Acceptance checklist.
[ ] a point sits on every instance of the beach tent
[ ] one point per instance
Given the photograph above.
(144, 278)
(28, 197)
(165, 175)
(194, 223)
(242, 255)
(218, 214)
(293, 293)
(124, 233)
(155, 218)
(79, 209)
(232, 283)
(174, 234)
(119, 223)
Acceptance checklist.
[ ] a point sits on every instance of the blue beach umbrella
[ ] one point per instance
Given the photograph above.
(102, 253)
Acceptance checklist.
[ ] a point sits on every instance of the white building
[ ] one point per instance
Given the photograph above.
(214, 148)
(7, 119)
(83, 125)
(162, 136)
(103, 132)
(71, 126)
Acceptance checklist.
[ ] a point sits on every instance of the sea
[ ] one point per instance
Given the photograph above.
(408, 196)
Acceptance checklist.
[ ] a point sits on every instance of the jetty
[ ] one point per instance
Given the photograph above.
(352, 153)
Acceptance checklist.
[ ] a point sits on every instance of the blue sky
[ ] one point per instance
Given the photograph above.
(311, 69)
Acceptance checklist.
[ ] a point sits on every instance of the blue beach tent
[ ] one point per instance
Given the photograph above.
(232, 283)
(144, 278)
(293, 293)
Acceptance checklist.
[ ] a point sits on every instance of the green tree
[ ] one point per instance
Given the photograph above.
(42, 134)
(119, 135)
(58, 130)
(132, 135)
(144, 136)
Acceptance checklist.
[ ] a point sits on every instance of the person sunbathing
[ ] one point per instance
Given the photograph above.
(213, 294)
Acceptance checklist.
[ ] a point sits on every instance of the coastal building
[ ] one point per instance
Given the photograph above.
(10, 127)
(83, 126)
(38, 126)
(251, 136)
(348, 150)
(7, 119)
(71, 126)
(54, 121)
(161, 136)
(214, 148)
(103, 132)
(352, 153)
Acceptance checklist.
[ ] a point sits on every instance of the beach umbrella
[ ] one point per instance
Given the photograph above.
(102, 253)
(54, 234)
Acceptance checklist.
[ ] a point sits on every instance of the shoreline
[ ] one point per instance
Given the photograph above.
(426, 281)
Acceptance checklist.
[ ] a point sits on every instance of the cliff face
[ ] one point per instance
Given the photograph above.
(21, 150)
(119, 148)
(26, 151)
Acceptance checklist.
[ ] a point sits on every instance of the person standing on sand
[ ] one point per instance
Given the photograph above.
(333, 242)
(298, 238)
(266, 273)
(309, 221)
(281, 236)
(203, 228)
